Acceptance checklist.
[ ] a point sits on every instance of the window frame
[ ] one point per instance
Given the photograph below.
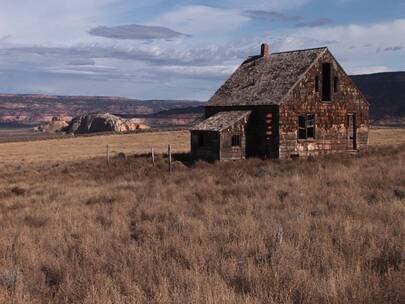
(236, 141)
(306, 127)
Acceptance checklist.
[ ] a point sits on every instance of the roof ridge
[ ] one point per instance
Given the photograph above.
(301, 50)
(258, 57)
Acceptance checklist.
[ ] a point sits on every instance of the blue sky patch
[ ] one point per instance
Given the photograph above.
(182, 49)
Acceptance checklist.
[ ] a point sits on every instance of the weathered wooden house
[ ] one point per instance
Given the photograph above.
(283, 105)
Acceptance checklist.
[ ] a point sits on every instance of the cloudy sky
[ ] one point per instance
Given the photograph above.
(181, 49)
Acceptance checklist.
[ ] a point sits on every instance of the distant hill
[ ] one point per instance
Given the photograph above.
(386, 94)
(176, 117)
(384, 91)
(40, 108)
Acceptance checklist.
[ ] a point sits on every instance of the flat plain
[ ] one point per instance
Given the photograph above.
(85, 147)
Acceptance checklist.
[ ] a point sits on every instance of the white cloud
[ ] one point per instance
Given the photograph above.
(29, 21)
(197, 19)
(213, 71)
(361, 48)
(378, 35)
(264, 4)
(45, 46)
(368, 70)
(135, 32)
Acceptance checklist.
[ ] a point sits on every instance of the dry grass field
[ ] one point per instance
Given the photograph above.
(80, 148)
(76, 148)
(387, 136)
(329, 230)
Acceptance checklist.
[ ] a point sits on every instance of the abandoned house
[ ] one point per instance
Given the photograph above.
(283, 105)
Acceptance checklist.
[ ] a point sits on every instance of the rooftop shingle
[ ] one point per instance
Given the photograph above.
(221, 121)
(265, 81)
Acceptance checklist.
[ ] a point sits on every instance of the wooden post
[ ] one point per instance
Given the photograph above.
(108, 155)
(170, 157)
(153, 156)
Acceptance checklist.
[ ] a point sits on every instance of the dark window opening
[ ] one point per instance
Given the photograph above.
(311, 126)
(202, 140)
(336, 84)
(317, 84)
(326, 82)
(302, 127)
(195, 139)
(236, 141)
(306, 126)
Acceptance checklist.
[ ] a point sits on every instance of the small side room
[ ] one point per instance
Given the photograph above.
(220, 137)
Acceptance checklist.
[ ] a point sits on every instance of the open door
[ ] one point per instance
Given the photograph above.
(351, 132)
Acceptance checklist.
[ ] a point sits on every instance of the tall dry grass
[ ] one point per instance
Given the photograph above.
(329, 230)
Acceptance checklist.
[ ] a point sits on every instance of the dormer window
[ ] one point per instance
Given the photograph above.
(326, 82)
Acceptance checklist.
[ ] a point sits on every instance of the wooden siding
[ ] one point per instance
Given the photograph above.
(218, 144)
(227, 151)
(331, 118)
(258, 142)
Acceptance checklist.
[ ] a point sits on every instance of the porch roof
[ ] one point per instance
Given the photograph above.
(221, 121)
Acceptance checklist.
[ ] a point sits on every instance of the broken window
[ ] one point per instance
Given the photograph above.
(306, 126)
(336, 84)
(302, 127)
(311, 126)
(326, 82)
(236, 141)
(317, 84)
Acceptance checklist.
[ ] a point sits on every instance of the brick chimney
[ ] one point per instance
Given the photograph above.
(265, 53)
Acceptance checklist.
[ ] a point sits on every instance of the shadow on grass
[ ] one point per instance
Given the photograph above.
(185, 158)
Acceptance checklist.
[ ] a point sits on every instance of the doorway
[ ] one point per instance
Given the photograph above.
(351, 132)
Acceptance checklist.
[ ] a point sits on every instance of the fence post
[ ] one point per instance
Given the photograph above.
(153, 156)
(108, 155)
(170, 157)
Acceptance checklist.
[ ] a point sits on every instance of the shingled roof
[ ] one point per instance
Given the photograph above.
(265, 81)
(221, 121)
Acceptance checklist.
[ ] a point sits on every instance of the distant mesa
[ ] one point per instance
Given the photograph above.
(103, 122)
(385, 92)
(56, 125)
(40, 109)
(91, 123)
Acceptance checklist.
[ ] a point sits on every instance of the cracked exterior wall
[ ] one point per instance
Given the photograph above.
(331, 118)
